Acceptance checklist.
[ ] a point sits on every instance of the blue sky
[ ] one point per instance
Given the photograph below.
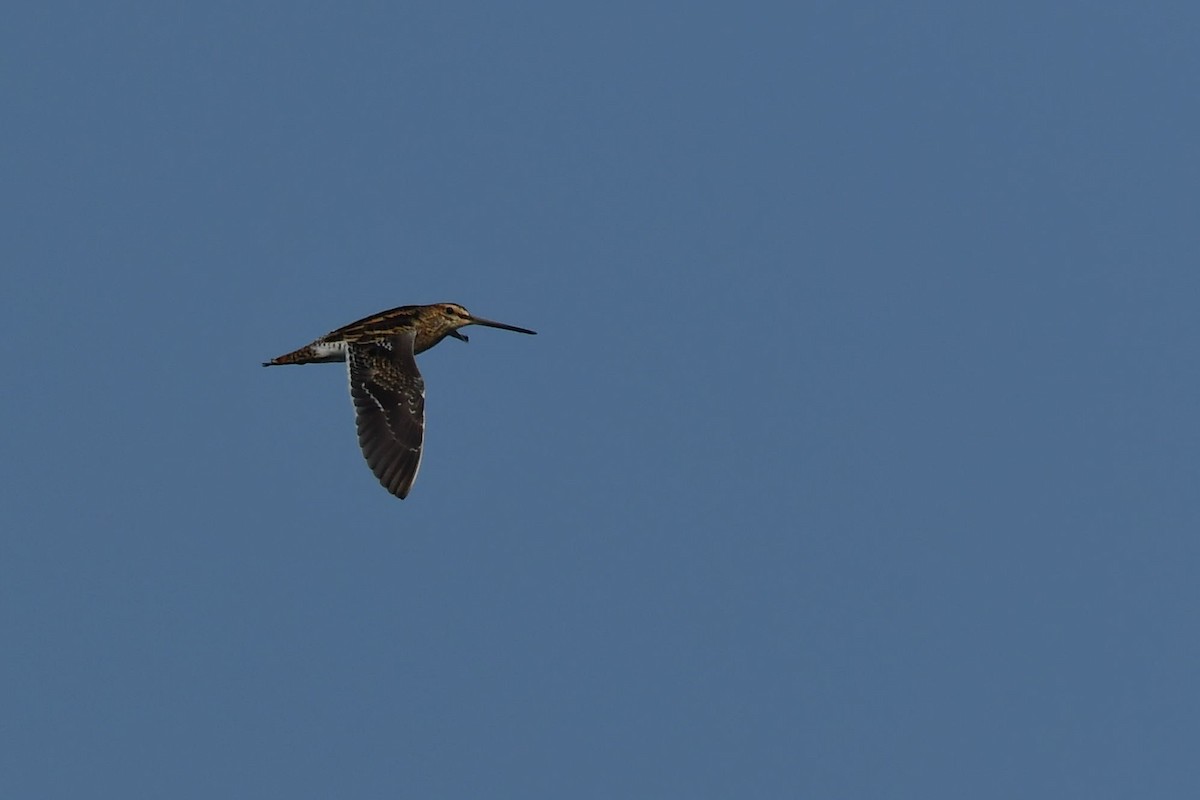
(856, 456)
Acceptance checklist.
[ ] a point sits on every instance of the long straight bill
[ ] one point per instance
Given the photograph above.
(487, 323)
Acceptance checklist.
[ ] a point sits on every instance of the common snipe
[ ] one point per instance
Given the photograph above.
(385, 384)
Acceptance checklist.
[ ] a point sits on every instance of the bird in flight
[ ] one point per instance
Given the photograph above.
(385, 384)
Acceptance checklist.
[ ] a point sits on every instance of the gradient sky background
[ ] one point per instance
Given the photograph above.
(856, 456)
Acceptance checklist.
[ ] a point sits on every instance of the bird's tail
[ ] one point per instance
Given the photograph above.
(304, 355)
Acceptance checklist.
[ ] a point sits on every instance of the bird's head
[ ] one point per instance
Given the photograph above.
(451, 316)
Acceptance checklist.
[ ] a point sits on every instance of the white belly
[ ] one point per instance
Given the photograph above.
(329, 351)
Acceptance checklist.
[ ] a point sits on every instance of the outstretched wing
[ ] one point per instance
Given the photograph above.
(389, 408)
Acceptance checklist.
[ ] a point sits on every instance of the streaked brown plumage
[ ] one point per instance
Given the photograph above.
(385, 384)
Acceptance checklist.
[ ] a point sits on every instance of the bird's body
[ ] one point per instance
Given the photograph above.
(385, 384)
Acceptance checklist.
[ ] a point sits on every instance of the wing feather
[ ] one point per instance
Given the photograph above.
(389, 409)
